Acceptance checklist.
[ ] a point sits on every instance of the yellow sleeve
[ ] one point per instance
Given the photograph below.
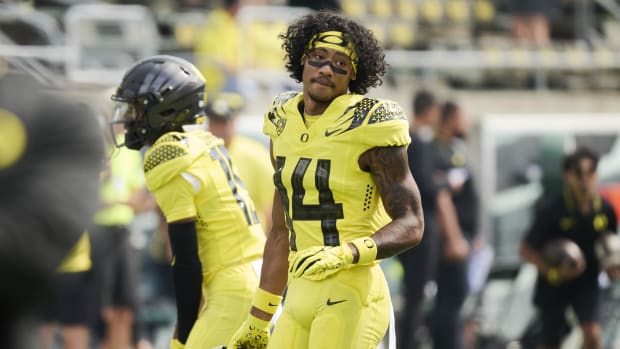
(176, 199)
(387, 126)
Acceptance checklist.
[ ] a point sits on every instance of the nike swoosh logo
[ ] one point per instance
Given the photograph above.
(272, 305)
(329, 133)
(330, 303)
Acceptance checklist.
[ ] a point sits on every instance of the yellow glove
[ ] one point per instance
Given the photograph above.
(254, 333)
(175, 344)
(317, 263)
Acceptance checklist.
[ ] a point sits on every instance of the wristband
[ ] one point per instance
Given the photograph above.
(553, 276)
(366, 249)
(266, 301)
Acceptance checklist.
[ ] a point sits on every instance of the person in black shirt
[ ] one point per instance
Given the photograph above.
(452, 169)
(419, 264)
(577, 213)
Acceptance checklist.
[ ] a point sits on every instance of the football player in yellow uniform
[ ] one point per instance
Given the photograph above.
(214, 231)
(340, 159)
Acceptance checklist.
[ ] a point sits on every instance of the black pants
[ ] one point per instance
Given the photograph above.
(452, 289)
(419, 265)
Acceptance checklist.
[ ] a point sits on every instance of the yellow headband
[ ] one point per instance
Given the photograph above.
(337, 41)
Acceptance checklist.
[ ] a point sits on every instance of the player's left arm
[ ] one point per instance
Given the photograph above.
(401, 199)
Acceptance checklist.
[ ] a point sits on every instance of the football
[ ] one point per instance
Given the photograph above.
(564, 253)
(607, 249)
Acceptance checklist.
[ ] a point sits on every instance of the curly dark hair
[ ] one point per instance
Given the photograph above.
(371, 65)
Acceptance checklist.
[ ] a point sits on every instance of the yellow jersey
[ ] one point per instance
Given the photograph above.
(251, 160)
(328, 200)
(191, 175)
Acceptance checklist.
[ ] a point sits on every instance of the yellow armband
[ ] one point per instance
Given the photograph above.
(366, 249)
(266, 301)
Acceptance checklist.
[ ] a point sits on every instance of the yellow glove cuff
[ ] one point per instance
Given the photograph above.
(253, 321)
(266, 301)
(175, 344)
(366, 248)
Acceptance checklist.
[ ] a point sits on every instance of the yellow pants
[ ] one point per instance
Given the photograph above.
(228, 297)
(349, 310)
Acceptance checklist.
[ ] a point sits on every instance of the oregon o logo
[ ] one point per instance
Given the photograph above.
(304, 137)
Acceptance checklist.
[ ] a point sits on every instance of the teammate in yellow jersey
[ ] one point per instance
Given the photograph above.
(251, 158)
(339, 157)
(214, 231)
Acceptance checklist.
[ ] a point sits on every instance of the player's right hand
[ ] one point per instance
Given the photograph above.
(253, 334)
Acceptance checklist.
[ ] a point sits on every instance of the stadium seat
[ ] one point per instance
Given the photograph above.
(604, 57)
(431, 11)
(378, 27)
(576, 57)
(354, 8)
(381, 8)
(457, 11)
(484, 11)
(401, 34)
(27, 26)
(406, 9)
(106, 39)
(260, 26)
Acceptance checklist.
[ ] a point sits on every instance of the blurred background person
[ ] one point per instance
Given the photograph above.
(70, 305)
(123, 194)
(218, 46)
(579, 214)
(420, 264)
(50, 157)
(452, 283)
(250, 157)
(531, 22)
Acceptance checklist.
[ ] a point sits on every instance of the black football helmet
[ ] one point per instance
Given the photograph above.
(158, 95)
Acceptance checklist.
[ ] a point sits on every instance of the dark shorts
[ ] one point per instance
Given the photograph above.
(583, 298)
(71, 301)
(114, 267)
